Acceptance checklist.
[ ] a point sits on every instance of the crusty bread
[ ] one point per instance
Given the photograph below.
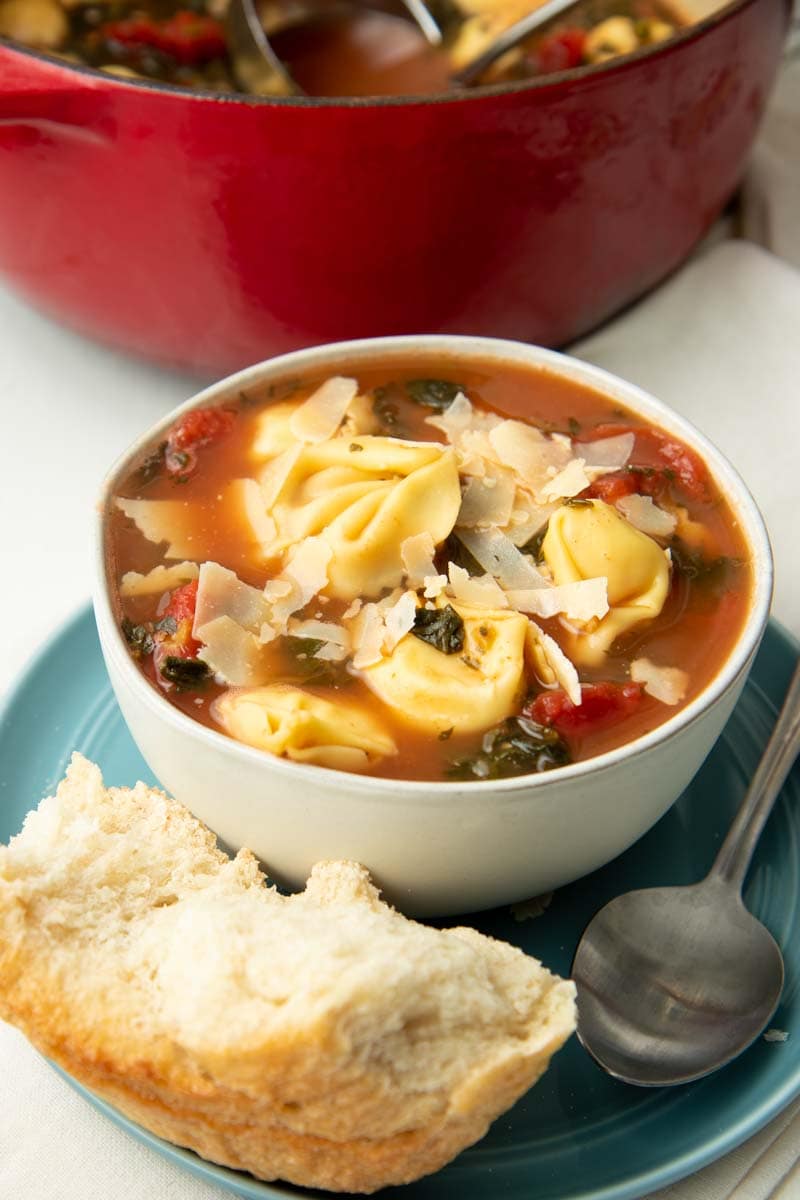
(320, 1038)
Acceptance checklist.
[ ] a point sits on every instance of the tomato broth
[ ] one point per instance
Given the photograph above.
(424, 669)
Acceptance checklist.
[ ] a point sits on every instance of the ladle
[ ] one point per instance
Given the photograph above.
(256, 66)
(259, 70)
(674, 982)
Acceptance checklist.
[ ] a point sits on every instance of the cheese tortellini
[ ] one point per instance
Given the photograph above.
(463, 692)
(591, 539)
(365, 497)
(289, 721)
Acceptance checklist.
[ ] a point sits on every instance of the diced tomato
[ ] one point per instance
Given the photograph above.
(602, 704)
(187, 37)
(560, 51)
(614, 486)
(667, 457)
(183, 602)
(198, 428)
(180, 644)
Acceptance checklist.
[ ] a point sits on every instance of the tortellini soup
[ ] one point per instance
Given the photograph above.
(426, 572)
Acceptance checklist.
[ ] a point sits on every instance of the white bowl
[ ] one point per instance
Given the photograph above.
(435, 848)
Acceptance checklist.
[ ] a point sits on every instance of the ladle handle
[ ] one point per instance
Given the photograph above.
(733, 859)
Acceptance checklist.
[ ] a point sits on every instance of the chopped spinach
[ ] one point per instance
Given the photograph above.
(578, 502)
(152, 466)
(309, 669)
(517, 746)
(168, 625)
(442, 628)
(454, 551)
(574, 426)
(185, 673)
(645, 472)
(139, 638)
(694, 566)
(386, 407)
(433, 393)
(534, 545)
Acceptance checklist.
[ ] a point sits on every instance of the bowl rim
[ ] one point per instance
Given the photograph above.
(689, 33)
(366, 351)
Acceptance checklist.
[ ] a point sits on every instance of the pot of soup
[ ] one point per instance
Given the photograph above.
(146, 204)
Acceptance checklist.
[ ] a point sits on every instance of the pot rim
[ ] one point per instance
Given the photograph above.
(574, 75)
(362, 352)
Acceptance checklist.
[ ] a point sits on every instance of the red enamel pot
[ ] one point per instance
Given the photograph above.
(210, 232)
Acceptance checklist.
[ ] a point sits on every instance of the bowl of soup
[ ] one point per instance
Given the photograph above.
(209, 229)
(465, 610)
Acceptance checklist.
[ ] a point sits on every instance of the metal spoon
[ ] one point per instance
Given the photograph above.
(675, 982)
(257, 68)
(510, 38)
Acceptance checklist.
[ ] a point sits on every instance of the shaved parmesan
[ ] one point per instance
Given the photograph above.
(563, 670)
(325, 631)
(168, 521)
(434, 586)
(220, 592)
(667, 684)
(455, 419)
(527, 518)
(160, 579)
(487, 501)
(607, 454)
(318, 417)
(475, 453)
(478, 592)
(417, 555)
(580, 601)
(567, 483)
(276, 472)
(277, 589)
(368, 632)
(273, 434)
(527, 450)
(646, 516)
(307, 574)
(234, 654)
(352, 608)
(399, 620)
(498, 555)
(335, 638)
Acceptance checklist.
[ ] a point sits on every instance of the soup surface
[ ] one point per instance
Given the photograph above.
(426, 572)
(347, 52)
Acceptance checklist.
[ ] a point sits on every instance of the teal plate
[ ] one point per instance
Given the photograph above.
(578, 1135)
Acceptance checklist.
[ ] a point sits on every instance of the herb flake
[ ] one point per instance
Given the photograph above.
(139, 638)
(441, 628)
(184, 673)
(517, 746)
(438, 394)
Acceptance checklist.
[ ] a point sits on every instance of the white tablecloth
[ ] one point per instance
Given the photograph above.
(720, 342)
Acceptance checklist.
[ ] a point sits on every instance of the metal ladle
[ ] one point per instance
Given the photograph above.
(256, 66)
(675, 982)
(259, 70)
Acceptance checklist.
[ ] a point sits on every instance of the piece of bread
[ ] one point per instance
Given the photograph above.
(320, 1038)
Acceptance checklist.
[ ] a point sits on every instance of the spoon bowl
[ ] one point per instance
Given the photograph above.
(674, 982)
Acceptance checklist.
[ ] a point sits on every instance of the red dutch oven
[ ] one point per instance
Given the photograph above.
(210, 232)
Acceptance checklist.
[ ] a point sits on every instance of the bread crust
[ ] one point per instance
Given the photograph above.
(363, 1074)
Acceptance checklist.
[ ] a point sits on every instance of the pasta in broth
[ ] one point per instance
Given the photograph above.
(426, 571)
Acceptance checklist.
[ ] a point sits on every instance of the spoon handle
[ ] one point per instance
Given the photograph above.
(510, 38)
(733, 859)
